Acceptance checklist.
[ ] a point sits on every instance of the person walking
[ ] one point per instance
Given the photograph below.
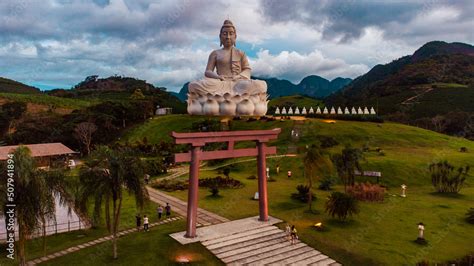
(168, 210)
(288, 232)
(160, 212)
(294, 236)
(139, 222)
(145, 223)
(289, 174)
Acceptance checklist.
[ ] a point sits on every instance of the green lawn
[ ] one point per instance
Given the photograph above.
(382, 233)
(62, 241)
(155, 247)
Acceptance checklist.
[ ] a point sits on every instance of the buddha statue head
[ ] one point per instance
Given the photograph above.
(228, 34)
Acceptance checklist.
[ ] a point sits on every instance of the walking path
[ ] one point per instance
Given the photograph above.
(182, 170)
(251, 242)
(94, 242)
(180, 207)
(411, 99)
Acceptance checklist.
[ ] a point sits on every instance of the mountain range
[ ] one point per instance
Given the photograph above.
(432, 88)
(313, 86)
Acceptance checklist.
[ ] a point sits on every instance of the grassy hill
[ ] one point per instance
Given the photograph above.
(44, 99)
(8, 85)
(396, 140)
(382, 233)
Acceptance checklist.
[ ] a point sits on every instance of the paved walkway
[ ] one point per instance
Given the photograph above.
(94, 242)
(251, 242)
(180, 207)
(184, 170)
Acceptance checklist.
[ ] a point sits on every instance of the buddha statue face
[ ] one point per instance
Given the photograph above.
(228, 34)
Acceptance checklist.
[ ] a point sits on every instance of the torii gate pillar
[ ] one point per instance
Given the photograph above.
(262, 182)
(195, 156)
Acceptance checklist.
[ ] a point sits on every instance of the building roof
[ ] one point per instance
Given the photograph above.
(38, 150)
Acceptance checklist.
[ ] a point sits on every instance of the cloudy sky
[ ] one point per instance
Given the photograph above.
(57, 43)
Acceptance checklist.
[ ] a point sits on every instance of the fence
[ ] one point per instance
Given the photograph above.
(51, 229)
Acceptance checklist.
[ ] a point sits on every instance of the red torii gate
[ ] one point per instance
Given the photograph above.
(199, 139)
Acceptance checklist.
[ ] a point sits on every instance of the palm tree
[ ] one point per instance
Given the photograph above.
(341, 205)
(33, 197)
(347, 163)
(104, 176)
(314, 163)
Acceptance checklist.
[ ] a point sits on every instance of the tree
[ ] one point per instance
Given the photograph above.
(33, 196)
(137, 95)
(13, 111)
(446, 178)
(470, 216)
(347, 163)
(104, 176)
(439, 123)
(341, 205)
(314, 162)
(83, 133)
(226, 172)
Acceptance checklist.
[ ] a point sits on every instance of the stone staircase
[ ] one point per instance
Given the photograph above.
(264, 245)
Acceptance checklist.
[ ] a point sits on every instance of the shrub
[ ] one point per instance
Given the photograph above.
(220, 182)
(341, 205)
(463, 149)
(326, 183)
(214, 191)
(327, 141)
(155, 167)
(303, 194)
(470, 216)
(367, 192)
(226, 172)
(171, 185)
(445, 178)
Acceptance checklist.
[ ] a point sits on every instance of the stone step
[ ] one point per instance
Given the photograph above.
(263, 253)
(301, 257)
(234, 235)
(249, 242)
(310, 260)
(324, 262)
(241, 237)
(283, 258)
(256, 246)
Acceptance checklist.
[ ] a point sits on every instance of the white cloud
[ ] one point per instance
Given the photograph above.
(295, 66)
(168, 42)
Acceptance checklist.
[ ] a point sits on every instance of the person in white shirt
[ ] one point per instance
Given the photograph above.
(145, 223)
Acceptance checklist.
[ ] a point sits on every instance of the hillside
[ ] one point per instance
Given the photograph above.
(437, 80)
(11, 86)
(313, 86)
(117, 88)
(396, 140)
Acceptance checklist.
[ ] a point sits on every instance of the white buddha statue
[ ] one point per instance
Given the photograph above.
(230, 86)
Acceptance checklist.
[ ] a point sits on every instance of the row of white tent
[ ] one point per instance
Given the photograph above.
(332, 111)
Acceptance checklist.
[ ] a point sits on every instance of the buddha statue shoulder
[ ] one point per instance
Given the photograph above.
(226, 88)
